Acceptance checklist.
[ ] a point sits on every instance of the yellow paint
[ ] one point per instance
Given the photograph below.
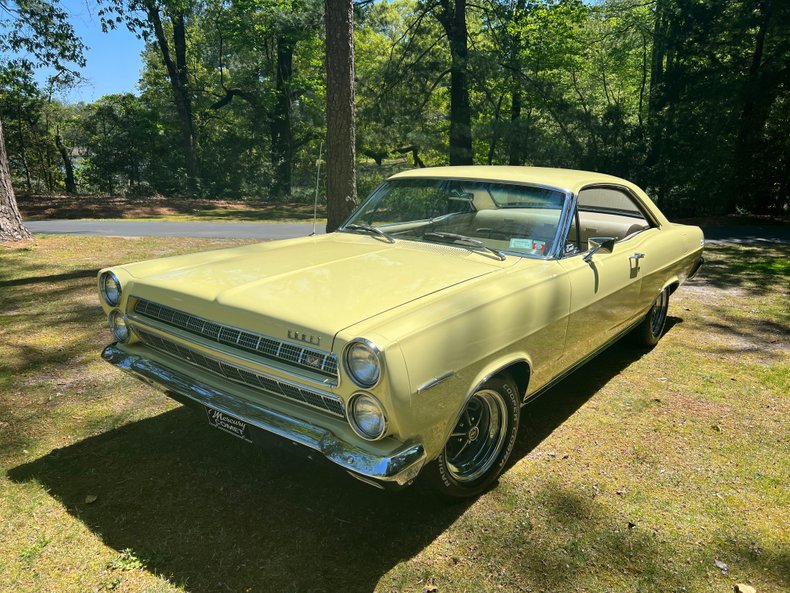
(431, 309)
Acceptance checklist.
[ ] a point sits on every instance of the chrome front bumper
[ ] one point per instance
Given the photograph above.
(398, 467)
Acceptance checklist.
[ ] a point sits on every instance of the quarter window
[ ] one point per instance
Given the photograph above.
(604, 212)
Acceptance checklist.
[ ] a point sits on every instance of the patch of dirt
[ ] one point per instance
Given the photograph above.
(43, 207)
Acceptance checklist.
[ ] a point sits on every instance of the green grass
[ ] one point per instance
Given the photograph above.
(636, 473)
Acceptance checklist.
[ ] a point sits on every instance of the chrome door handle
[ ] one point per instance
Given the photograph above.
(636, 257)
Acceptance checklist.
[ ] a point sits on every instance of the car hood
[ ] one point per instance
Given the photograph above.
(318, 285)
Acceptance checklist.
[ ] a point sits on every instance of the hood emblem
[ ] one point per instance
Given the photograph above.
(303, 337)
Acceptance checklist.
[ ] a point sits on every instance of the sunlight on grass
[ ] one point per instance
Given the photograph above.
(637, 473)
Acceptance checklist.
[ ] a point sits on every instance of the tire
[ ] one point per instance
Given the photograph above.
(649, 332)
(480, 443)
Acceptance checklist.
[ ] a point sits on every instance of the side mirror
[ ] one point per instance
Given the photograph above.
(602, 244)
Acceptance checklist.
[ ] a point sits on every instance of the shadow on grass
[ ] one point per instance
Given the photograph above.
(204, 509)
(749, 268)
(215, 514)
(51, 278)
(540, 417)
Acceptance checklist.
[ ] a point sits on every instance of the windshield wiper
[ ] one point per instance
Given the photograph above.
(471, 242)
(373, 230)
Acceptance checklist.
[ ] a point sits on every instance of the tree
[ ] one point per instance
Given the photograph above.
(760, 91)
(120, 143)
(341, 176)
(31, 34)
(11, 226)
(452, 16)
(166, 22)
(400, 60)
(255, 43)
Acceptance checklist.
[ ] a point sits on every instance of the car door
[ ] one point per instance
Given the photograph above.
(605, 283)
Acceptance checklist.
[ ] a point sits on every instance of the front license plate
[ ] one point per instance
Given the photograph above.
(228, 423)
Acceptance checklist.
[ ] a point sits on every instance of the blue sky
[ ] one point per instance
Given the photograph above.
(113, 58)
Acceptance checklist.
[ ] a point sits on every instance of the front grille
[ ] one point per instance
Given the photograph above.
(318, 361)
(323, 401)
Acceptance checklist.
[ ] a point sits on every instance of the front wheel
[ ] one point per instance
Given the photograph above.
(481, 441)
(651, 329)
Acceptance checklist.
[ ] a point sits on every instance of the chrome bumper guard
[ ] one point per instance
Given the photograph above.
(399, 467)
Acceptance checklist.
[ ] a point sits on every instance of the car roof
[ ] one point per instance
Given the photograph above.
(569, 180)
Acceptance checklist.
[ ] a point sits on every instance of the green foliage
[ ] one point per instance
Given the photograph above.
(36, 33)
(124, 147)
(689, 98)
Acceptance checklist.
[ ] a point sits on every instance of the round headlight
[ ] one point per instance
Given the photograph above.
(363, 364)
(118, 326)
(110, 288)
(367, 417)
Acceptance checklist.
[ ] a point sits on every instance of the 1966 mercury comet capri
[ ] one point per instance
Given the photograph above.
(408, 340)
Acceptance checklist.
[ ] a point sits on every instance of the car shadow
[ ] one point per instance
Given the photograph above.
(211, 513)
(541, 416)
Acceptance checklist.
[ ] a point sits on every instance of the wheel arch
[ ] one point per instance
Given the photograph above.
(671, 285)
(518, 368)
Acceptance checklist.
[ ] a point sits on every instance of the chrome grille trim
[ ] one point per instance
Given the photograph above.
(325, 402)
(262, 345)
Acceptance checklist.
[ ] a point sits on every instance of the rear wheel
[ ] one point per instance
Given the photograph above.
(481, 441)
(652, 328)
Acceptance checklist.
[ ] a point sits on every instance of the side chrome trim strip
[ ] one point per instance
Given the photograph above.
(434, 382)
(399, 466)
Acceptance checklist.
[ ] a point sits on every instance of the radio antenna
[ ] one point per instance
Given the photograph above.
(317, 181)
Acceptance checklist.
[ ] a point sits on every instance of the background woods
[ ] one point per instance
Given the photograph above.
(691, 99)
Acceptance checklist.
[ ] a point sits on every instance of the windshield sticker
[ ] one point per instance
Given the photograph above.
(529, 245)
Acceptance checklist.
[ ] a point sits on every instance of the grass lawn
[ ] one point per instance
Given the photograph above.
(640, 472)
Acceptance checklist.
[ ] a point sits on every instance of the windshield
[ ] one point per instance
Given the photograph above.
(492, 216)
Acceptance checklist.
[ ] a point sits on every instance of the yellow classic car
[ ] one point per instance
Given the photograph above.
(407, 341)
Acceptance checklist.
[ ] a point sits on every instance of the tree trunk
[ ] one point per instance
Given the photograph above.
(516, 156)
(660, 27)
(747, 191)
(341, 178)
(11, 226)
(23, 153)
(496, 131)
(453, 19)
(71, 184)
(282, 144)
(177, 73)
(657, 101)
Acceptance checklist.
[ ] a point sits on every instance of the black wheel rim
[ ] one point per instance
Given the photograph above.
(658, 314)
(479, 437)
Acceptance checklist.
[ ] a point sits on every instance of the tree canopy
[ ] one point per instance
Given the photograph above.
(688, 98)
(33, 34)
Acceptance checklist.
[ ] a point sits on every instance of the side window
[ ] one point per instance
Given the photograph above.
(604, 212)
